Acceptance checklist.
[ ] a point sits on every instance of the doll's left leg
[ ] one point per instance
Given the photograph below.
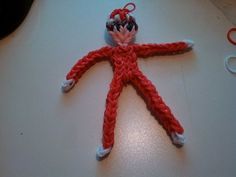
(160, 110)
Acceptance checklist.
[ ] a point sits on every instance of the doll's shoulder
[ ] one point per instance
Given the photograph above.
(103, 51)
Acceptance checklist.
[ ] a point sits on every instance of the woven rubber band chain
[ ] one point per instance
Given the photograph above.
(230, 57)
(123, 58)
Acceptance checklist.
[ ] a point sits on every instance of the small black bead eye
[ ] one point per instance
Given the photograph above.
(129, 26)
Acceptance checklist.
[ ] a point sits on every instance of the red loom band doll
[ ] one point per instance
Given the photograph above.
(122, 28)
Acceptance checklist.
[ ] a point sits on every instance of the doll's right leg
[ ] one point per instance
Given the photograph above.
(110, 118)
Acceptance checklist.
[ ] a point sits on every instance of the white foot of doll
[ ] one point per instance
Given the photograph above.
(190, 43)
(178, 139)
(101, 152)
(67, 85)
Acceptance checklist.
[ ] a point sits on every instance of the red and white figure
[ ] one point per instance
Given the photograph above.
(122, 27)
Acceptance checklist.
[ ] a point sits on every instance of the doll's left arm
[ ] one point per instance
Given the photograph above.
(147, 50)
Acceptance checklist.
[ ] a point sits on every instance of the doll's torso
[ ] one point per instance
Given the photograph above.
(124, 61)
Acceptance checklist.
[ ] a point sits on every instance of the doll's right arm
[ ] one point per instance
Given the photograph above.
(83, 65)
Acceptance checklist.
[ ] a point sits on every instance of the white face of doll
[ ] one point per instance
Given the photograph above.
(122, 32)
(123, 36)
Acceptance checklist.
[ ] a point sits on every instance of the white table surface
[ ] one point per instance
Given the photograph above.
(44, 133)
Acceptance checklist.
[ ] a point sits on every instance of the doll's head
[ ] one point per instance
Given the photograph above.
(122, 26)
